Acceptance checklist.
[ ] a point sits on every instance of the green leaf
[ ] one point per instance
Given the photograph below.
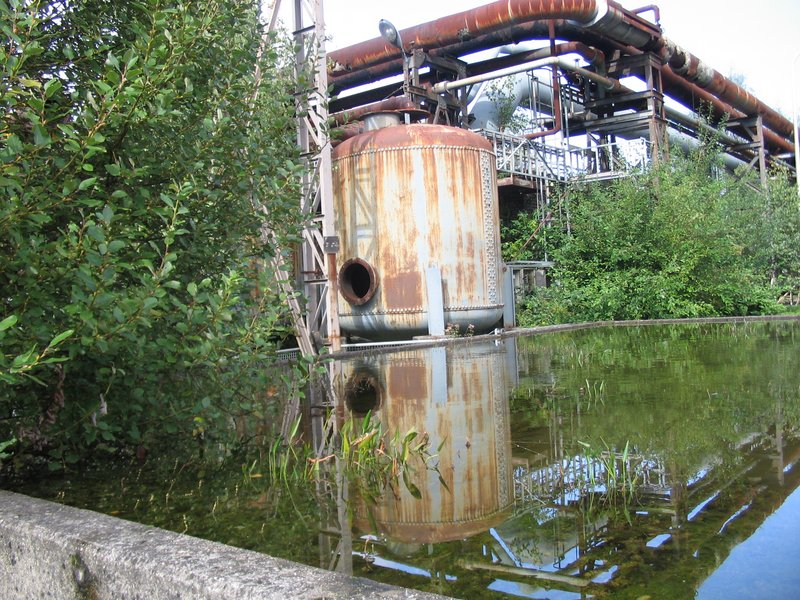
(412, 489)
(113, 169)
(9, 321)
(60, 338)
(96, 233)
(40, 136)
(24, 360)
(112, 61)
(192, 289)
(87, 183)
(52, 86)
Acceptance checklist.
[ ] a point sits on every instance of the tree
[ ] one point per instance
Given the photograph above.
(130, 148)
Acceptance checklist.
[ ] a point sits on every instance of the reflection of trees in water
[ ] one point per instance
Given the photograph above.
(653, 377)
(723, 464)
(708, 415)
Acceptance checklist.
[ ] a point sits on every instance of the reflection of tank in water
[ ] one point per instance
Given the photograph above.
(455, 394)
(416, 211)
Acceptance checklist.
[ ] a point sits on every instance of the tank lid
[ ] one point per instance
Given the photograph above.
(379, 120)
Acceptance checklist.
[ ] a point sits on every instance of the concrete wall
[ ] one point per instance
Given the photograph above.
(48, 550)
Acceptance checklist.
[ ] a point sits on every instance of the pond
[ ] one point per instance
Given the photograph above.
(621, 462)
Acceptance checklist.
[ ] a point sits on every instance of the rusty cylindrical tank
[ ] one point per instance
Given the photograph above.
(410, 197)
(458, 397)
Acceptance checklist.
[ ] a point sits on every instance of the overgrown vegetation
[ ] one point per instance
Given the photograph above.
(132, 138)
(671, 242)
(372, 459)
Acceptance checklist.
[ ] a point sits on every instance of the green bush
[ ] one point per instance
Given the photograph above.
(131, 144)
(671, 242)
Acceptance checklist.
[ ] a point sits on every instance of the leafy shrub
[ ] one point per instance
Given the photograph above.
(667, 243)
(132, 140)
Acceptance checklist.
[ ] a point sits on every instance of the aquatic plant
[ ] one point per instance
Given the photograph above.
(612, 473)
(371, 459)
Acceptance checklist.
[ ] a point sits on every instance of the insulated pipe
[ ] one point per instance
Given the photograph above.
(694, 70)
(396, 103)
(606, 16)
(509, 21)
(607, 82)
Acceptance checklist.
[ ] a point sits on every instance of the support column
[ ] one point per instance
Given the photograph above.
(320, 244)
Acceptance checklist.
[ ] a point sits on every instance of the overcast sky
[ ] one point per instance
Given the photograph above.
(758, 40)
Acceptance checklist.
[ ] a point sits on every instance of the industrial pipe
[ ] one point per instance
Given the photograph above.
(590, 18)
(607, 82)
(650, 7)
(694, 70)
(396, 103)
(606, 16)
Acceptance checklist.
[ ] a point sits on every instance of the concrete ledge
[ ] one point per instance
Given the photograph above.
(48, 550)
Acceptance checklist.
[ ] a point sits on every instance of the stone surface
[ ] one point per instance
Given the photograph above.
(48, 550)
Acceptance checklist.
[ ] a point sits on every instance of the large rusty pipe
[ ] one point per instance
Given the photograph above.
(606, 16)
(693, 95)
(513, 35)
(501, 22)
(722, 108)
(592, 55)
(694, 70)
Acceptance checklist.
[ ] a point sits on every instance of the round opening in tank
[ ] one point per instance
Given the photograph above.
(357, 281)
(363, 393)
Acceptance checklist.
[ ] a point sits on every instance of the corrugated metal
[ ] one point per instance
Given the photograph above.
(458, 397)
(410, 197)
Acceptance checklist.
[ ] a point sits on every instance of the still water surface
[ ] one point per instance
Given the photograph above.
(627, 462)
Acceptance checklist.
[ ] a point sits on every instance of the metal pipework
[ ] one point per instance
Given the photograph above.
(691, 94)
(606, 16)
(694, 70)
(608, 83)
(396, 103)
(585, 20)
(650, 7)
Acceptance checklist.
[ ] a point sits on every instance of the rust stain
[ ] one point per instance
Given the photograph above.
(408, 382)
(403, 291)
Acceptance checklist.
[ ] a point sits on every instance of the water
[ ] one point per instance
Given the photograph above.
(630, 462)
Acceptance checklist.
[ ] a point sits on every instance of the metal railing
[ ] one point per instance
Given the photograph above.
(521, 157)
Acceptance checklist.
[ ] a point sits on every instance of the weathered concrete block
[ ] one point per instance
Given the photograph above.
(48, 550)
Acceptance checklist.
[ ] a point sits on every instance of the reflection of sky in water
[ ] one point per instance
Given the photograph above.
(398, 566)
(657, 541)
(699, 508)
(522, 590)
(766, 565)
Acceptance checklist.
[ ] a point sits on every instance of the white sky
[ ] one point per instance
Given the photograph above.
(758, 39)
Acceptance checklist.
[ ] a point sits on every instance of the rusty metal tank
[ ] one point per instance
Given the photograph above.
(458, 396)
(408, 199)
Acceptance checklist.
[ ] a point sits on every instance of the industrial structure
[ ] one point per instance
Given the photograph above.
(602, 91)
